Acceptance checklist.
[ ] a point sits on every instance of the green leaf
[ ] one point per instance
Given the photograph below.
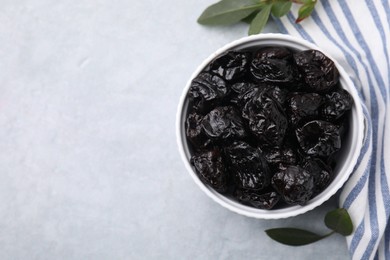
(228, 11)
(260, 20)
(294, 236)
(281, 8)
(339, 221)
(305, 11)
(250, 17)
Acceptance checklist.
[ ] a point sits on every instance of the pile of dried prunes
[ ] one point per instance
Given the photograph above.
(264, 126)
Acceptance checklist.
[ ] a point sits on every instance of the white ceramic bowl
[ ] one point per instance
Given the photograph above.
(348, 154)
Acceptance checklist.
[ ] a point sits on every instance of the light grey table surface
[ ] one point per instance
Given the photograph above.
(89, 161)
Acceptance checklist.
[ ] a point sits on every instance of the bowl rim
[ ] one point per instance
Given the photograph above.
(290, 211)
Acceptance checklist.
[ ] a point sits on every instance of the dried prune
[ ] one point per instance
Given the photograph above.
(244, 93)
(276, 93)
(211, 169)
(223, 123)
(230, 65)
(241, 87)
(260, 91)
(266, 120)
(303, 106)
(321, 172)
(294, 184)
(280, 155)
(318, 71)
(194, 130)
(258, 199)
(248, 167)
(336, 104)
(273, 64)
(319, 138)
(206, 91)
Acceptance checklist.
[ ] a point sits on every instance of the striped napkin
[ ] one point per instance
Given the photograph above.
(357, 35)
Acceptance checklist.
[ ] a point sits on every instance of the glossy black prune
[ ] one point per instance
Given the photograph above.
(273, 64)
(321, 172)
(318, 71)
(248, 167)
(276, 93)
(231, 65)
(222, 124)
(266, 120)
(303, 106)
(244, 92)
(294, 184)
(336, 104)
(207, 91)
(241, 87)
(319, 138)
(258, 199)
(277, 156)
(211, 169)
(194, 131)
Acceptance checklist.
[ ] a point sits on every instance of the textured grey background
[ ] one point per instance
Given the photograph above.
(89, 163)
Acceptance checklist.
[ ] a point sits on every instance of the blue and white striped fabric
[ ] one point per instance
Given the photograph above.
(357, 34)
